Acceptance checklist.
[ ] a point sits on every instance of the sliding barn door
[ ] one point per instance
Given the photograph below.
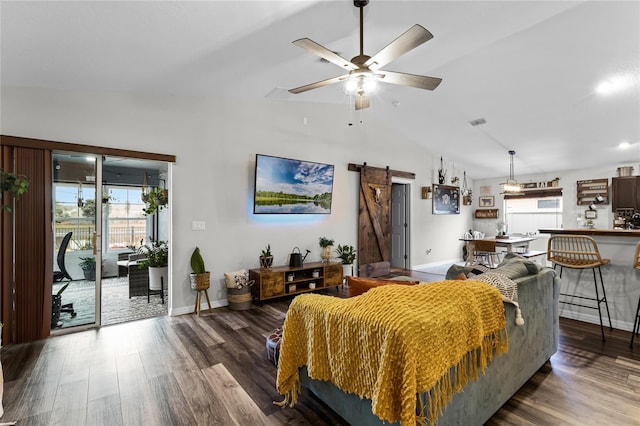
(374, 222)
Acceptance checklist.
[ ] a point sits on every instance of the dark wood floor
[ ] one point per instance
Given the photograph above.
(213, 370)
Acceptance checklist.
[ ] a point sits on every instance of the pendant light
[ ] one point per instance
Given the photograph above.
(511, 186)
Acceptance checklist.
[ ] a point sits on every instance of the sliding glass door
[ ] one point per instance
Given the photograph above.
(77, 237)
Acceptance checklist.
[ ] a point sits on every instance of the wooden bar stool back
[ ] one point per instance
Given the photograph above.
(580, 252)
(636, 321)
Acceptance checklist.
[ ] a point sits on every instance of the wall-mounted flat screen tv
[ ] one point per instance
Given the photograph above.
(287, 186)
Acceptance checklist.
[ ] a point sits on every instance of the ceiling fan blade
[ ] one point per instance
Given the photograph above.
(362, 102)
(407, 41)
(325, 53)
(404, 79)
(318, 84)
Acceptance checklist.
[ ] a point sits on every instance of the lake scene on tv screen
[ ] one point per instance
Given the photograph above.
(287, 186)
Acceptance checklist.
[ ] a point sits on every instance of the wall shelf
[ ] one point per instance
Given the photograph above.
(587, 190)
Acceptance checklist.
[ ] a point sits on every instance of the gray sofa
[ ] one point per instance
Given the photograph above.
(530, 347)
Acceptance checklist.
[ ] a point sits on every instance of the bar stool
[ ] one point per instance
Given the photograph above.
(636, 321)
(579, 252)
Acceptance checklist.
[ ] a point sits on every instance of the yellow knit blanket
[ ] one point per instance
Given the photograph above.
(393, 343)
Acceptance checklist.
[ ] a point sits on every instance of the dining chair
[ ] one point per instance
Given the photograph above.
(580, 252)
(636, 320)
(485, 253)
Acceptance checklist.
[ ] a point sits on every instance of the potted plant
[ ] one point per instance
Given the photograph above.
(347, 254)
(88, 265)
(266, 258)
(326, 245)
(156, 200)
(157, 260)
(12, 184)
(200, 278)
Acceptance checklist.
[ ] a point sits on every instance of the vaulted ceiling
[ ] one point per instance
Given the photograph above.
(529, 68)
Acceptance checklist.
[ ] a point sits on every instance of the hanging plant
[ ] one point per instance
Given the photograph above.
(13, 185)
(157, 200)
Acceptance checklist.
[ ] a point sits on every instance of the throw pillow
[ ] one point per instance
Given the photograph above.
(454, 270)
(230, 277)
(460, 277)
(513, 269)
(359, 285)
(533, 267)
(508, 290)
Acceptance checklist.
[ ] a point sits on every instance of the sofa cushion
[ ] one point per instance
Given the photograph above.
(359, 285)
(532, 267)
(455, 270)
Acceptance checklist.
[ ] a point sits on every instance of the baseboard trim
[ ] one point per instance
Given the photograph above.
(203, 307)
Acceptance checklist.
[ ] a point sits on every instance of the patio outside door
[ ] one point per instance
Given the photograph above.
(77, 236)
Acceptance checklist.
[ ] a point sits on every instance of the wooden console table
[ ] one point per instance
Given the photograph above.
(280, 280)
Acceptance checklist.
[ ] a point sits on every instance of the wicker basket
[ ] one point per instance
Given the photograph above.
(239, 298)
(200, 281)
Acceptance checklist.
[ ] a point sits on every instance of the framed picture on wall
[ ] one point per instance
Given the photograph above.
(446, 199)
(486, 201)
(590, 214)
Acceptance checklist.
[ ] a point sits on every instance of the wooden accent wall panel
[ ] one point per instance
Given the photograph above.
(30, 288)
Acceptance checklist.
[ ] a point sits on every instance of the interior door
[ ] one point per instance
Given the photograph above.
(374, 224)
(78, 258)
(399, 225)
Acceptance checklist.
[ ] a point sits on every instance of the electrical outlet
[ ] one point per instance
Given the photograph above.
(198, 225)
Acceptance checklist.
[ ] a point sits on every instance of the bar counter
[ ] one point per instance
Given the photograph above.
(621, 280)
(592, 232)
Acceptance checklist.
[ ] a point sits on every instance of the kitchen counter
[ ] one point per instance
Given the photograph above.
(591, 232)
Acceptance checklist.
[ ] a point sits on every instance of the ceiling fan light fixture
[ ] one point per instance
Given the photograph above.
(361, 84)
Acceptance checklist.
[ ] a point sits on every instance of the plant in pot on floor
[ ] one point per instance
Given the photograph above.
(326, 245)
(347, 254)
(88, 265)
(200, 278)
(158, 263)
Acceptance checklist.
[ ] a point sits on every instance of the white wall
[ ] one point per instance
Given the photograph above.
(215, 141)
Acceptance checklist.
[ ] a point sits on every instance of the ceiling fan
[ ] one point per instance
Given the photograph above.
(364, 71)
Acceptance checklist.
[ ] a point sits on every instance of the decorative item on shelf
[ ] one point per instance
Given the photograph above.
(292, 288)
(290, 277)
(312, 285)
(555, 181)
(442, 173)
(426, 192)
(347, 255)
(486, 214)
(238, 290)
(296, 259)
(157, 260)
(511, 186)
(589, 223)
(591, 213)
(326, 245)
(467, 193)
(157, 199)
(315, 273)
(266, 258)
(13, 185)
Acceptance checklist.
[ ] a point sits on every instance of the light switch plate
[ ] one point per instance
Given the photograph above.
(198, 225)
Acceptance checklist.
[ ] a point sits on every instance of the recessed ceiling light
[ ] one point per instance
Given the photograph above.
(624, 145)
(614, 84)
